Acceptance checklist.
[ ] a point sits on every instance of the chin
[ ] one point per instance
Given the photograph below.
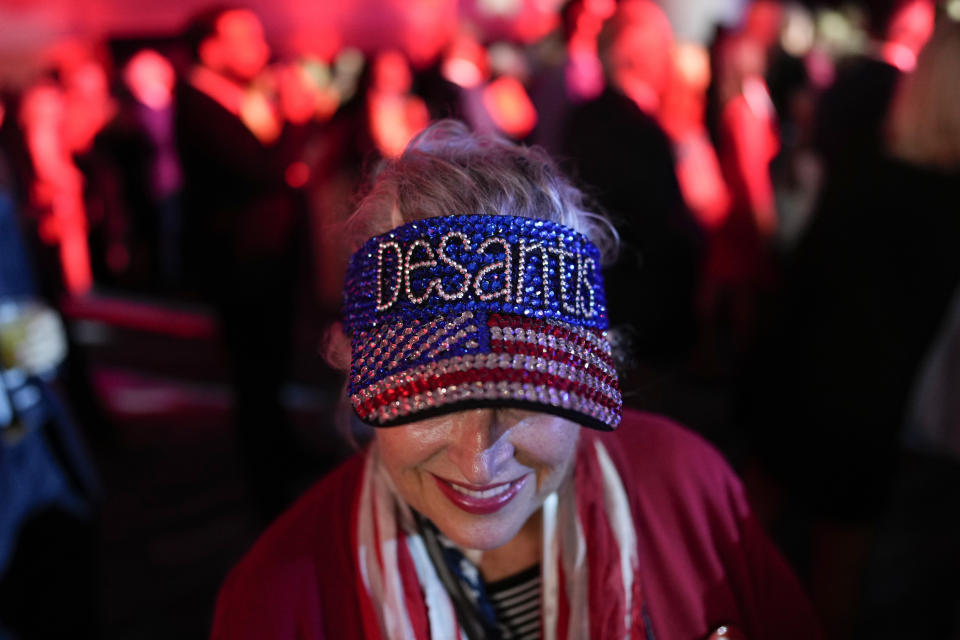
(488, 533)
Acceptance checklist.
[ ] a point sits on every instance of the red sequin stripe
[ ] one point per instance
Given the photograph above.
(558, 355)
(522, 376)
(534, 347)
(515, 322)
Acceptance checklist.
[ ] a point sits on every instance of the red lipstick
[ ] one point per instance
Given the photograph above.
(481, 500)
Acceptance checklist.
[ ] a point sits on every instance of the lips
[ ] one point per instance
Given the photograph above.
(481, 500)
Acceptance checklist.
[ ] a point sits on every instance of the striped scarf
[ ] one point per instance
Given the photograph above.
(590, 580)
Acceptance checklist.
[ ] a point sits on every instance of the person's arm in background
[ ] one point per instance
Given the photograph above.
(753, 143)
(208, 130)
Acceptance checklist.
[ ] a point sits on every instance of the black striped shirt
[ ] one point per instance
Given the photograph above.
(516, 601)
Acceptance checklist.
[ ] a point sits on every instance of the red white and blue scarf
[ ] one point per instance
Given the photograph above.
(590, 569)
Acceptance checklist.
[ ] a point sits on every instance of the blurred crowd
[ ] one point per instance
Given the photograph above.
(785, 197)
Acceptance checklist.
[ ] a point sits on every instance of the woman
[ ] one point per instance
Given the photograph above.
(478, 350)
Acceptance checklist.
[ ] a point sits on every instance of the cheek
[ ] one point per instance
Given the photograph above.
(404, 449)
(400, 449)
(548, 448)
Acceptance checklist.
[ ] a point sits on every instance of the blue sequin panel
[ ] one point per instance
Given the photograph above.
(393, 348)
(450, 265)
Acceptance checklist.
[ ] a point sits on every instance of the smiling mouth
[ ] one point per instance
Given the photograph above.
(481, 500)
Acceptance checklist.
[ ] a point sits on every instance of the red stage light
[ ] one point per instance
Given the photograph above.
(510, 107)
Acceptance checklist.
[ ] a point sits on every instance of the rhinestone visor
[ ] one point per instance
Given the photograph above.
(469, 311)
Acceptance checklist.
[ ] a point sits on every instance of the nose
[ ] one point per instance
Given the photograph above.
(479, 445)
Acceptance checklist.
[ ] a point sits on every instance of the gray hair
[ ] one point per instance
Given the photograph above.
(447, 170)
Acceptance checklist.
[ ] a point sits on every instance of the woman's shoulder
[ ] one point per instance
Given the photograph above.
(707, 560)
(663, 459)
(663, 444)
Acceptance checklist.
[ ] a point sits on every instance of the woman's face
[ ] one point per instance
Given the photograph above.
(478, 475)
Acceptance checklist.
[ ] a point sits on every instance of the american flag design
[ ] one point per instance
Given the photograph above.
(406, 370)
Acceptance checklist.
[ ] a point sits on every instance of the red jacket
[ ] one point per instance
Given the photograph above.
(704, 560)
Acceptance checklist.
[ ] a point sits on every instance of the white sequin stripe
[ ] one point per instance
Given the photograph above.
(544, 339)
(474, 361)
(599, 341)
(533, 337)
(621, 521)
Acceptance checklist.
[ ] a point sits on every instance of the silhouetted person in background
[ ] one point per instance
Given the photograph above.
(47, 483)
(911, 587)
(622, 157)
(51, 136)
(682, 117)
(870, 286)
(132, 182)
(740, 267)
(150, 79)
(849, 121)
(243, 223)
